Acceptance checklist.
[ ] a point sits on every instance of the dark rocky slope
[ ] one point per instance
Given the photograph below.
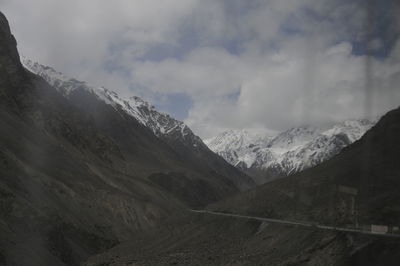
(63, 191)
(74, 174)
(107, 107)
(369, 169)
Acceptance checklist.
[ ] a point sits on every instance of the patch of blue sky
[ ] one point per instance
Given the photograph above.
(187, 41)
(175, 104)
(233, 97)
(291, 25)
(116, 49)
(381, 32)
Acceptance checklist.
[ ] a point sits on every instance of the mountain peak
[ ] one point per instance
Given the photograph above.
(145, 113)
(175, 133)
(11, 70)
(265, 156)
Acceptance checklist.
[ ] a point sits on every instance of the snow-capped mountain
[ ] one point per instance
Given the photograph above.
(238, 147)
(266, 157)
(160, 123)
(175, 133)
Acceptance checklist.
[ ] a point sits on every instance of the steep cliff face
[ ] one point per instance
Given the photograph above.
(8, 51)
(12, 74)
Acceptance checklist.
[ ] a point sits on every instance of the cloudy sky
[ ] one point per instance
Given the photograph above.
(224, 64)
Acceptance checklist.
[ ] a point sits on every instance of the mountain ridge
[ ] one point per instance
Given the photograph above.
(174, 132)
(266, 157)
(144, 112)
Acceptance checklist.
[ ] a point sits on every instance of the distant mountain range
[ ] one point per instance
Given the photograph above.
(265, 156)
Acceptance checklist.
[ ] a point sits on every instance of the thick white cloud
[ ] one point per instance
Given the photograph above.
(276, 91)
(257, 63)
(75, 35)
(203, 73)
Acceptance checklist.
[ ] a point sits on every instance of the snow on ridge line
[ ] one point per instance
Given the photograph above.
(146, 114)
(289, 151)
(238, 138)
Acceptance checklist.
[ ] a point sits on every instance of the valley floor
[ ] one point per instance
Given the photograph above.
(201, 239)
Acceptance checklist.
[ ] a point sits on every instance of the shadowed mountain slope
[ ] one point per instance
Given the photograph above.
(77, 176)
(179, 137)
(367, 173)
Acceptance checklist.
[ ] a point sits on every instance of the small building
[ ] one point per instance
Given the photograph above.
(379, 229)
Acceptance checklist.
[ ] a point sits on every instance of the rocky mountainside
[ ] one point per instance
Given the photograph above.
(160, 123)
(79, 173)
(178, 135)
(266, 157)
